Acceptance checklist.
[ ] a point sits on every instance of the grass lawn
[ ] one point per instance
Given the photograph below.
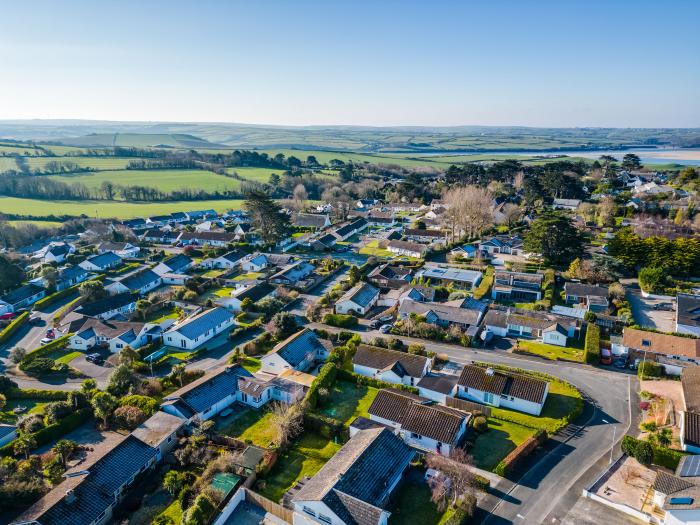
(38, 224)
(173, 511)
(372, 248)
(7, 416)
(348, 401)
(161, 315)
(261, 175)
(213, 273)
(67, 358)
(503, 436)
(181, 356)
(305, 458)
(562, 401)
(248, 276)
(254, 426)
(251, 364)
(553, 352)
(411, 503)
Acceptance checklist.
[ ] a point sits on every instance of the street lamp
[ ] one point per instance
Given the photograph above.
(612, 445)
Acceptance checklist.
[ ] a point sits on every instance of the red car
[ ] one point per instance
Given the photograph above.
(7, 316)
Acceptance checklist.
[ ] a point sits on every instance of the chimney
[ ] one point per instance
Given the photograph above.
(489, 371)
(70, 496)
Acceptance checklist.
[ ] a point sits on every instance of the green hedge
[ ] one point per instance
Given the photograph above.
(50, 299)
(548, 289)
(42, 395)
(42, 351)
(340, 320)
(650, 369)
(513, 459)
(591, 347)
(13, 326)
(485, 284)
(53, 432)
(661, 456)
(376, 383)
(327, 427)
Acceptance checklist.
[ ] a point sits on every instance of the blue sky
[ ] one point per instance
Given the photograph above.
(491, 62)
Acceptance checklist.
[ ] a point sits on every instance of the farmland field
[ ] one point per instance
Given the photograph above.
(164, 180)
(261, 175)
(98, 163)
(7, 163)
(38, 224)
(104, 209)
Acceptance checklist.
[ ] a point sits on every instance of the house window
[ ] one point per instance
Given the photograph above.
(646, 342)
(415, 436)
(488, 398)
(309, 511)
(324, 519)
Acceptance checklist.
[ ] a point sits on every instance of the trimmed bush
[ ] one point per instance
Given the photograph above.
(512, 460)
(11, 328)
(41, 395)
(591, 347)
(650, 369)
(327, 427)
(370, 381)
(340, 320)
(38, 366)
(56, 431)
(485, 284)
(146, 404)
(480, 424)
(646, 453)
(56, 344)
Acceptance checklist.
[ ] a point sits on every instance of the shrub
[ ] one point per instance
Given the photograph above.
(591, 347)
(650, 369)
(38, 367)
(519, 453)
(146, 404)
(370, 381)
(56, 344)
(644, 453)
(11, 328)
(395, 344)
(57, 410)
(327, 427)
(200, 512)
(485, 284)
(340, 320)
(648, 426)
(55, 431)
(42, 395)
(480, 424)
(416, 348)
(128, 417)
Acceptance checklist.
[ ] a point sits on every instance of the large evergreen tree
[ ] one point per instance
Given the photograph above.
(554, 237)
(267, 216)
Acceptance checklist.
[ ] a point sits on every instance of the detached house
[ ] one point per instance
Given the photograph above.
(550, 329)
(674, 352)
(359, 299)
(293, 275)
(216, 239)
(116, 305)
(390, 366)
(426, 426)
(125, 250)
(408, 249)
(388, 276)
(90, 332)
(350, 229)
(175, 264)
(70, 276)
(102, 262)
(445, 276)
(197, 330)
(227, 261)
(23, 296)
(432, 237)
(443, 314)
(298, 352)
(502, 244)
(595, 298)
(255, 292)
(690, 415)
(517, 286)
(140, 282)
(255, 262)
(316, 221)
(502, 389)
(56, 253)
(354, 486)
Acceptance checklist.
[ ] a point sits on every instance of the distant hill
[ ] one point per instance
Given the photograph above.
(405, 139)
(138, 140)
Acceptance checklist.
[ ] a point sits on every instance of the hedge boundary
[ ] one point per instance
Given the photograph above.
(370, 381)
(591, 346)
(519, 453)
(486, 283)
(13, 326)
(56, 344)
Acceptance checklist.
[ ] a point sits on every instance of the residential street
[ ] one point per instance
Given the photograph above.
(543, 491)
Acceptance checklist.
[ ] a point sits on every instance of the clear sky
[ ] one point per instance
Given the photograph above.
(632, 63)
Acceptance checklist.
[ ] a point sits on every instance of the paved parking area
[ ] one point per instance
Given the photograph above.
(646, 316)
(589, 512)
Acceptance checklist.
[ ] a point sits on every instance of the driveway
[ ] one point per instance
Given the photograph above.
(644, 313)
(545, 492)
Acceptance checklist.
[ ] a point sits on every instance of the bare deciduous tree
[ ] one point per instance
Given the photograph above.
(457, 469)
(512, 213)
(469, 210)
(287, 421)
(300, 196)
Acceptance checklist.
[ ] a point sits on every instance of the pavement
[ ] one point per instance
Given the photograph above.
(548, 490)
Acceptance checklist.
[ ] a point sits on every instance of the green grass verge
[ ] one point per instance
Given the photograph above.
(553, 352)
(33, 406)
(411, 503)
(251, 364)
(67, 358)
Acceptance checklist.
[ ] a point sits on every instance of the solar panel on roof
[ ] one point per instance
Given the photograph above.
(690, 467)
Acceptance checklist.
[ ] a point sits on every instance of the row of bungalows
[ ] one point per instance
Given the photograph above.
(92, 490)
(549, 328)
(102, 262)
(417, 420)
(348, 230)
(120, 305)
(22, 297)
(193, 332)
(160, 235)
(407, 248)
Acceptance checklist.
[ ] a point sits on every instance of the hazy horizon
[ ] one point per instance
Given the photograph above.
(548, 64)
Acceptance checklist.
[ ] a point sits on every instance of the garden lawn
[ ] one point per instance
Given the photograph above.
(304, 459)
(372, 248)
(563, 404)
(34, 407)
(173, 511)
(503, 436)
(217, 293)
(248, 276)
(552, 352)
(161, 315)
(213, 273)
(348, 401)
(67, 358)
(411, 503)
(38, 224)
(251, 364)
(254, 426)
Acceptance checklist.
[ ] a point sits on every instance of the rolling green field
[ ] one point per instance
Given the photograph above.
(7, 163)
(106, 209)
(164, 180)
(261, 175)
(38, 224)
(97, 163)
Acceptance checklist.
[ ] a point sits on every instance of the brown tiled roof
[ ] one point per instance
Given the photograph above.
(661, 343)
(669, 484)
(691, 428)
(502, 383)
(690, 381)
(381, 358)
(415, 414)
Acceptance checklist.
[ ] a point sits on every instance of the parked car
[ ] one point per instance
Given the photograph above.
(8, 316)
(605, 356)
(45, 341)
(620, 362)
(375, 324)
(35, 320)
(385, 328)
(667, 307)
(386, 318)
(635, 364)
(95, 358)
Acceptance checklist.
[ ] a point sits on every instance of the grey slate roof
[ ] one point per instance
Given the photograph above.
(382, 358)
(105, 260)
(362, 294)
(203, 322)
(310, 220)
(177, 263)
(351, 227)
(295, 348)
(442, 383)
(21, 293)
(583, 290)
(208, 390)
(93, 492)
(688, 309)
(6, 430)
(355, 482)
(138, 280)
(107, 304)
